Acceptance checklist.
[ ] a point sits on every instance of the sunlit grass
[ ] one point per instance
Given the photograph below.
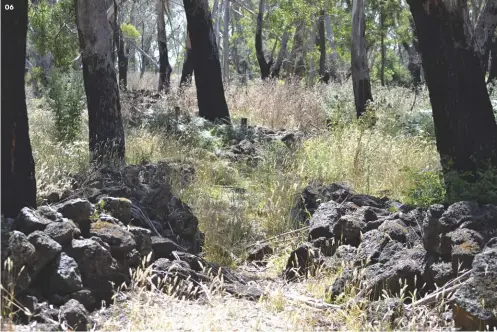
(238, 204)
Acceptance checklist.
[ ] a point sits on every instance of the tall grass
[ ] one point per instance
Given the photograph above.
(238, 204)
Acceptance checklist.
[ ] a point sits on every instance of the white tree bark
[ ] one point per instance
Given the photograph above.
(484, 30)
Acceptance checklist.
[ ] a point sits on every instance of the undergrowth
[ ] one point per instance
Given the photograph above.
(238, 204)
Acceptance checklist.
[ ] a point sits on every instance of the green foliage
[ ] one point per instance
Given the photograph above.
(66, 102)
(427, 187)
(53, 30)
(463, 187)
(130, 31)
(35, 74)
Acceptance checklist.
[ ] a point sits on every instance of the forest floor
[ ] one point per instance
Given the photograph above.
(284, 307)
(239, 203)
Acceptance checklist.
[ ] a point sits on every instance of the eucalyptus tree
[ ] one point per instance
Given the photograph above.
(324, 76)
(106, 130)
(264, 65)
(465, 126)
(207, 69)
(188, 64)
(119, 42)
(164, 66)
(360, 69)
(18, 169)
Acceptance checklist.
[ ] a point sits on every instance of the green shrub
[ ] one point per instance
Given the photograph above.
(130, 31)
(483, 190)
(66, 102)
(52, 31)
(427, 187)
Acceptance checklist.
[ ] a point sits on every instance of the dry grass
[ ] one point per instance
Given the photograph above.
(149, 81)
(284, 307)
(54, 161)
(236, 204)
(277, 104)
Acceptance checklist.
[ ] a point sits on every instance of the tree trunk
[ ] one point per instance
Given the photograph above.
(143, 57)
(323, 74)
(414, 64)
(465, 126)
(382, 46)
(259, 50)
(164, 66)
(122, 59)
(122, 63)
(131, 52)
(414, 59)
(18, 170)
(188, 64)
(297, 65)
(311, 43)
(360, 69)
(275, 69)
(239, 44)
(484, 31)
(210, 92)
(333, 56)
(102, 93)
(226, 42)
